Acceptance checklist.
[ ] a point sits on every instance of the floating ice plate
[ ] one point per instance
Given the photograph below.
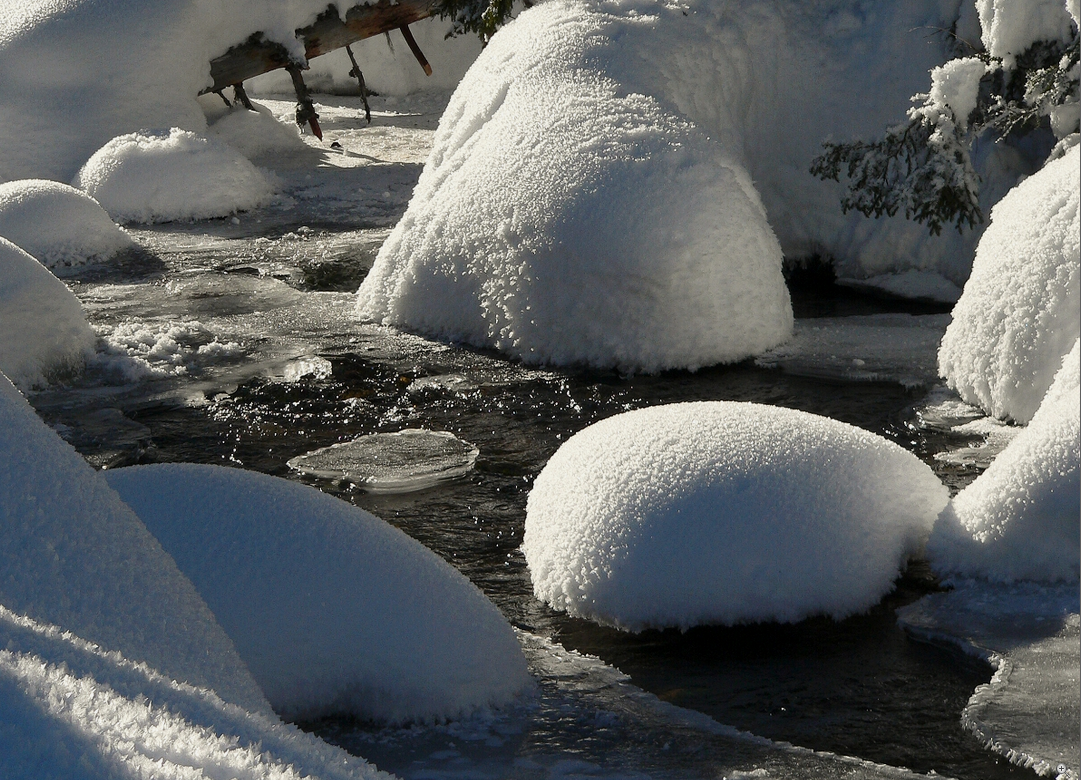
(402, 462)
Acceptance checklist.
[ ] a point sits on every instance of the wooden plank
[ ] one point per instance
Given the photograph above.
(257, 55)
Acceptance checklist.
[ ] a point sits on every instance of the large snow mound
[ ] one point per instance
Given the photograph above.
(255, 134)
(167, 175)
(79, 72)
(333, 610)
(69, 708)
(73, 555)
(1021, 519)
(59, 225)
(1020, 312)
(724, 512)
(43, 332)
(563, 219)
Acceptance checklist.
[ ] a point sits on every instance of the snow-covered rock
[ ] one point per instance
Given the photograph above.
(43, 332)
(1020, 312)
(254, 134)
(161, 176)
(59, 225)
(333, 610)
(69, 708)
(1021, 518)
(563, 218)
(724, 512)
(73, 555)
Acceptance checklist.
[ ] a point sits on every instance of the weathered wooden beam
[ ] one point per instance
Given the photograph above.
(258, 55)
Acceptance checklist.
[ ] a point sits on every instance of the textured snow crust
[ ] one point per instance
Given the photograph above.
(333, 610)
(43, 332)
(73, 554)
(70, 708)
(169, 175)
(1020, 312)
(60, 226)
(1021, 518)
(724, 512)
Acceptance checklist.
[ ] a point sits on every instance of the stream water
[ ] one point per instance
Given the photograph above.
(234, 344)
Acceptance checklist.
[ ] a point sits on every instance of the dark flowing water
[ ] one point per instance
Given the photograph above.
(857, 687)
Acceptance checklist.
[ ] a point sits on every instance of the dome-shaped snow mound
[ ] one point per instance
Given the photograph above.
(168, 175)
(64, 228)
(1020, 312)
(43, 332)
(563, 216)
(1021, 519)
(723, 513)
(333, 610)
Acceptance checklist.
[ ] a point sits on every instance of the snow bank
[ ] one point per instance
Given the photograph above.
(1021, 519)
(333, 610)
(73, 555)
(43, 333)
(562, 219)
(59, 225)
(68, 708)
(161, 176)
(1020, 312)
(724, 512)
(79, 72)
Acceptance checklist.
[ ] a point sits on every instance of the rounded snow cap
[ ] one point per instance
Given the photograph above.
(166, 175)
(64, 228)
(724, 512)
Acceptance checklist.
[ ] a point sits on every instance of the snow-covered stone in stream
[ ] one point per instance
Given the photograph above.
(255, 134)
(43, 331)
(400, 462)
(562, 218)
(60, 226)
(1021, 519)
(333, 610)
(69, 708)
(1020, 312)
(167, 175)
(724, 512)
(73, 555)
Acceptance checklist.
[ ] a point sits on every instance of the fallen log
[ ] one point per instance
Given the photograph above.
(328, 32)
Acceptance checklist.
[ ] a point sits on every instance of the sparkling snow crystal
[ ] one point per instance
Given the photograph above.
(43, 332)
(59, 225)
(724, 512)
(1020, 313)
(1021, 519)
(333, 610)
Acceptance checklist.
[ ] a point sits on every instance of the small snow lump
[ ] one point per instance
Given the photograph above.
(333, 610)
(724, 513)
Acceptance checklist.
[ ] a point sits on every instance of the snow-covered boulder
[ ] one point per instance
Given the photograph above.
(1020, 312)
(724, 512)
(1021, 519)
(59, 225)
(333, 610)
(255, 134)
(69, 708)
(43, 332)
(564, 219)
(167, 175)
(73, 555)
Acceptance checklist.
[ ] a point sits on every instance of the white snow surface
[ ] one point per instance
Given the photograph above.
(80, 72)
(564, 218)
(724, 512)
(911, 284)
(60, 226)
(1021, 518)
(955, 86)
(43, 332)
(70, 708)
(1011, 26)
(255, 134)
(168, 175)
(72, 554)
(1020, 312)
(333, 610)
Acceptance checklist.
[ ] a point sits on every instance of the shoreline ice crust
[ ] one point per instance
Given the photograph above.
(724, 512)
